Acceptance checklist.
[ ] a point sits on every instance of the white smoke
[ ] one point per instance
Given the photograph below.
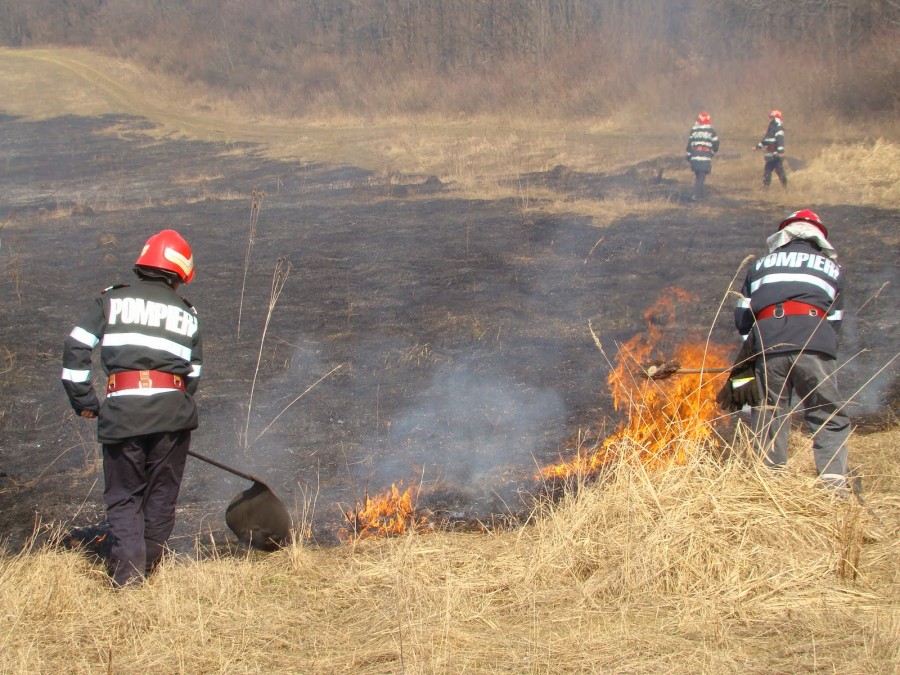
(467, 423)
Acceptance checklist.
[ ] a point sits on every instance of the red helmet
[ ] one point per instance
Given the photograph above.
(704, 118)
(806, 216)
(168, 251)
(775, 114)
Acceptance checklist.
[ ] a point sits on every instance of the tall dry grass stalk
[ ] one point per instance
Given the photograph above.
(256, 201)
(705, 567)
(279, 279)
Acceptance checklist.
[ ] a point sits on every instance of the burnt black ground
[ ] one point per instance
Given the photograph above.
(460, 326)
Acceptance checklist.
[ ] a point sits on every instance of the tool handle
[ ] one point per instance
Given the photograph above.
(229, 469)
(702, 370)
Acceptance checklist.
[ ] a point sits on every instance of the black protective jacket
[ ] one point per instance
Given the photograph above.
(144, 326)
(703, 143)
(773, 141)
(796, 271)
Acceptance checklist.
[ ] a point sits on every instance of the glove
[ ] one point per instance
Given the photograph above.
(739, 390)
(744, 389)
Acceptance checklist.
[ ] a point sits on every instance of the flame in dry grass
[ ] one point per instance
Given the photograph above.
(665, 419)
(388, 514)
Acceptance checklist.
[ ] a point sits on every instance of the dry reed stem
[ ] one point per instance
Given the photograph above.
(256, 201)
(279, 279)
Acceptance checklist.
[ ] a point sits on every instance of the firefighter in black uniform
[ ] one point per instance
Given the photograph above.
(702, 144)
(773, 144)
(791, 308)
(150, 349)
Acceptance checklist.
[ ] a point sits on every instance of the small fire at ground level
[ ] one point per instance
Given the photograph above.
(391, 513)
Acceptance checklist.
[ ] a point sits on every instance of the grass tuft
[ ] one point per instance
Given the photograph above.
(860, 173)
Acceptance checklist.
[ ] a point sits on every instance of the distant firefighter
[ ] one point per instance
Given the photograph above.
(773, 144)
(702, 144)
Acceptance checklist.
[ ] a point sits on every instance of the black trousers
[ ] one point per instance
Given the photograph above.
(143, 477)
(775, 164)
(699, 180)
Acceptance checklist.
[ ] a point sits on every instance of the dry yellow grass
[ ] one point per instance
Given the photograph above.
(858, 173)
(698, 568)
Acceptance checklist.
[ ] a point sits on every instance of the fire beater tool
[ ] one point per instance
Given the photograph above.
(256, 516)
(660, 370)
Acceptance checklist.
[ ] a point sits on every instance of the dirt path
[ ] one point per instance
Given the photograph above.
(119, 94)
(85, 83)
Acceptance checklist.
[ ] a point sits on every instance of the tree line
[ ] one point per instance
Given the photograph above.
(296, 54)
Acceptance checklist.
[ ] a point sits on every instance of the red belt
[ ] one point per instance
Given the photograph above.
(789, 308)
(143, 379)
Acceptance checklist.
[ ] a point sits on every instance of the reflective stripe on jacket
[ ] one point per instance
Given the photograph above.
(797, 271)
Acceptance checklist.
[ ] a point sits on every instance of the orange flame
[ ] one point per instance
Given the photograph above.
(388, 514)
(666, 418)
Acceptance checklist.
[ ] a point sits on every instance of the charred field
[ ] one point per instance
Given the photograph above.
(452, 333)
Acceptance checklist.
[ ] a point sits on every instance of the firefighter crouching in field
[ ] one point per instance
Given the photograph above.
(791, 309)
(150, 348)
(773, 144)
(702, 144)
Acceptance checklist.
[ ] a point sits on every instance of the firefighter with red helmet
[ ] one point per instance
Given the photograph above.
(151, 353)
(702, 144)
(792, 307)
(773, 144)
